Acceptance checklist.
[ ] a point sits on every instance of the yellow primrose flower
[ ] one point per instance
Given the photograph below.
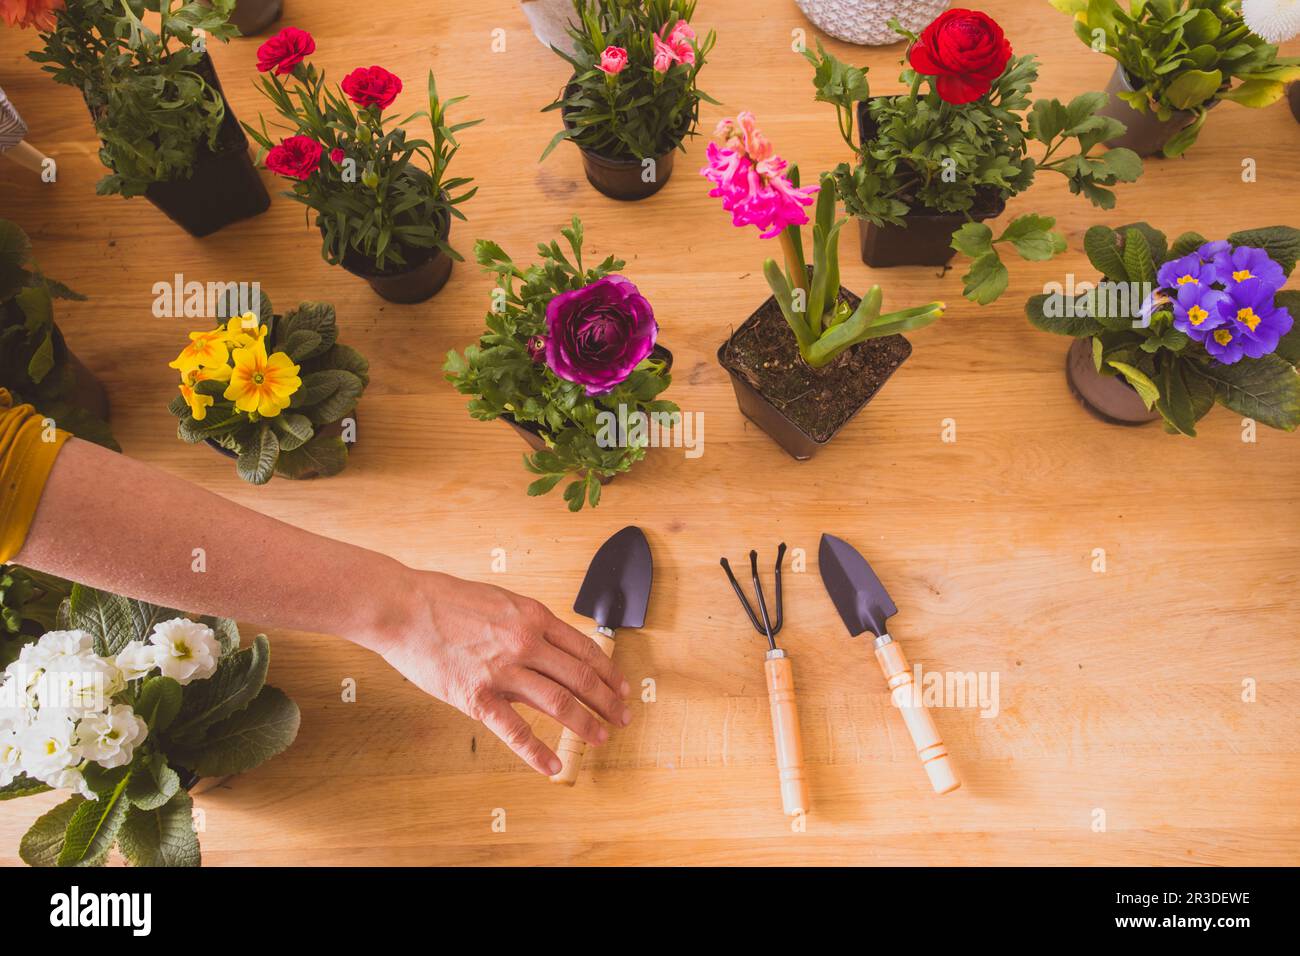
(219, 373)
(205, 349)
(243, 330)
(262, 384)
(198, 403)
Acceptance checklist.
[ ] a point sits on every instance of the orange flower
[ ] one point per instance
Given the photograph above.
(30, 13)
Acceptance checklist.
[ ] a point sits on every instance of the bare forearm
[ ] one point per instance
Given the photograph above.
(121, 525)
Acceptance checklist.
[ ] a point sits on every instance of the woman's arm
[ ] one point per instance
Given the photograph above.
(475, 646)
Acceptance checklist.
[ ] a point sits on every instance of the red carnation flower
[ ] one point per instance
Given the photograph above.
(336, 155)
(373, 86)
(284, 51)
(297, 157)
(965, 50)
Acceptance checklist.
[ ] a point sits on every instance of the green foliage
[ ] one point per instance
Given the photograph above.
(228, 723)
(290, 444)
(34, 360)
(1183, 55)
(378, 203)
(823, 323)
(152, 105)
(29, 602)
(924, 155)
(640, 113)
(1170, 371)
(504, 381)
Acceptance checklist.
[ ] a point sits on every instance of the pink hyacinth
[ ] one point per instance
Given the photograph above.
(751, 181)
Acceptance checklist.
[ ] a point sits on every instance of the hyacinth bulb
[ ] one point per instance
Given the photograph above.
(1273, 20)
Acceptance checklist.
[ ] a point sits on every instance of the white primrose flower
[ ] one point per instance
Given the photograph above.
(136, 660)
(10, 757)
(47, 748)
(54, 644)
(1273, 20)
(78, 686)
(71, 778)
(187, 650)
(110, 738)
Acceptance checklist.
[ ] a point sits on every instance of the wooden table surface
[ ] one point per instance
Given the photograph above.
(1121, 736)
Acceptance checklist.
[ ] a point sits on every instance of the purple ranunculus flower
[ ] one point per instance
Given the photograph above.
(1247, 262)
(1252, 324)
(598, 334)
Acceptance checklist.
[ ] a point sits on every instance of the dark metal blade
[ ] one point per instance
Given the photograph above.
(616, 590)
(856, 592)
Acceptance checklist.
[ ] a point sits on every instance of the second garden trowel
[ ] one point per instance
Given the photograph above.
(615, 593)
(865, 605)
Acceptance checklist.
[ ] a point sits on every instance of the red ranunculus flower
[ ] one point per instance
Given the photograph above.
(965, 50)
(296, 157)
(374, 86)
(284, 51)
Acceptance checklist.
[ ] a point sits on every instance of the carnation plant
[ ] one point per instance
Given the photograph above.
(267, 389)
(752, 182)
(354, 166)
(1217, 327)
(1183, 55)
(965, 142)
(34, 361)
(151, 106)
(633, 92)
(127, 705)
(564, 343)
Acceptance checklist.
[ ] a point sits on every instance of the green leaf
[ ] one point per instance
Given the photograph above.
(1266, 389)
(1101, 244)
(1137, 257)
(1193, 88)
(163, 836)
(1142, 384)
(152, 782)
(238, 679)
(245, 739)
(317, 318)
(93, 828)
(291, 431)
(1033, 238)
(1282, 243)
(1289, 348)
(973, 239)
(256, 463)
(544, 484)
(159, 702)
(1186, 244)
(107, 616)
(42, 844)
(1075, 325)
(321, 457)
(1122, 163)
(986, 280)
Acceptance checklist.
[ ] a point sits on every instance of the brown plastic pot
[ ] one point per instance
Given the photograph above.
(926, 238)
(532, 437)
(758, 409)
(624, 179)
(421, 280)
(1293, 97)
(224, 186)
(1147, 134)
(1107, 397)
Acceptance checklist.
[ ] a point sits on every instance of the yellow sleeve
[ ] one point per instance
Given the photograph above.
(27, 453)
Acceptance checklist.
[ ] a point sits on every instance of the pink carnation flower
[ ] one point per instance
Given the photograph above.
(664, 56)
(750, 179)
(679, 39)
(613, 60)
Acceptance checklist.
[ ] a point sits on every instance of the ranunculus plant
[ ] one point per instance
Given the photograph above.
(272, 392)
(1183, 55)
(963, 146)
(1216, 327)
(633, 93)
(564, 343)
(753, 184)
(127, 705)
(353, 165)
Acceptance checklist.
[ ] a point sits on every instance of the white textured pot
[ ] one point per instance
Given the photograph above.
(550, 21)
(867, 21)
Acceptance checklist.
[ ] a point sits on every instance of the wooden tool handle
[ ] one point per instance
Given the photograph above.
(906, 696)
(572, 747)
(785, 730)
(27, 156)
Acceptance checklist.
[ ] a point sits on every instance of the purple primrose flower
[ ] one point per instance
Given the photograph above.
(598, 334)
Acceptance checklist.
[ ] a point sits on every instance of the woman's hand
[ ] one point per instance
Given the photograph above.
(481, 648)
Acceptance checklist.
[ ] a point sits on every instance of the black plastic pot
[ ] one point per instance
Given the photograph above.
(1293, 97)
(1107, 397)
(529, 433)
(224, 186)
(624, 179)
(1146, 134)
(926, 239)
(427, 272)
(758, 409)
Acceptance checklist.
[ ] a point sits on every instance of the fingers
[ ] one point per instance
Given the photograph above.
(545, 695)
(574, 642)
(500, 718)
(582, 680)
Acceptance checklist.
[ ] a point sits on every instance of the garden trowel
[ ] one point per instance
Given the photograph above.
(865, 605)
(614, 594)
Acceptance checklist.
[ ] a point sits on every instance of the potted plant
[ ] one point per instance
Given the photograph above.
(632, 99)
(813, 354)
(277, 394)
(166, 131)
(1175, 61)
(870, 22)
(1169, 330)
(29, 602)
(149, 703)
(36, 365)
(929, 168)
(381, 215)
(568, 355)
(253, 16)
